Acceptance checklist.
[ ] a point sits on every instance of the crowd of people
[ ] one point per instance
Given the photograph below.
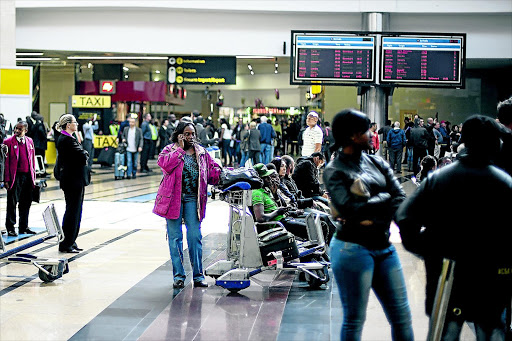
(357, 200)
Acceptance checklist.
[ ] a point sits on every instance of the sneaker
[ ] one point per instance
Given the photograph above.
(178, 284)
(200, 284)
(12, 233)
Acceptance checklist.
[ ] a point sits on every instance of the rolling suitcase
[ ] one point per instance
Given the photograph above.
(277, 239)
(106, 157)
(119, 167)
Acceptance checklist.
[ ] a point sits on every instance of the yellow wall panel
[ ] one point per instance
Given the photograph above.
(15, 82)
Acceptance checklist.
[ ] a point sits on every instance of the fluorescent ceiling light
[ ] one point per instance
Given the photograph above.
(29, 53)
(276, 65)
(254, 57)
(275, 71)
(252, 72)
(249, 66)
(117, 58)
(33, 59)
(125, 68)
(125, 76)
(157, 71)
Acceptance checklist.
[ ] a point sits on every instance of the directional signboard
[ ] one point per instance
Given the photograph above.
(201, 70)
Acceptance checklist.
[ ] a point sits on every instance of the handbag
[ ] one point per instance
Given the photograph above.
(36, 193)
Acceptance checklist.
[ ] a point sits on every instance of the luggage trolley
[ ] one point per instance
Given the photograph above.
(50, 269)
(246, 249)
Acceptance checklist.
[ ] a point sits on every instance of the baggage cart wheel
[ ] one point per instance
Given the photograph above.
(47, 278)
(315, 283)
(234, 291)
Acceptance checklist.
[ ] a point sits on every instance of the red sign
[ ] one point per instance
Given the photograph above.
(108, 87)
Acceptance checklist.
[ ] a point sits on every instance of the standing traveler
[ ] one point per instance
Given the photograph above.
(146, 148)
(73, 176)
(364, 196)
(207, 136)
(227, 150)
(431, 142)
(329, 141)
(39, 136)
(374, 139)
(293, 136)
(20, 178)
(89, 128)
(153, 126)
(312, 136)
(188, 169)
(418, 138)
(114, 128)
(163, 135)
(482, 282)
(384, 131)
(244, 145)
(254, 143)
(132, 136)
(396, 143)
(266, 140)
(235, 137)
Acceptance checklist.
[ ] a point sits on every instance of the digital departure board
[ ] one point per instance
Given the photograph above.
(422, 60)
(332, 58)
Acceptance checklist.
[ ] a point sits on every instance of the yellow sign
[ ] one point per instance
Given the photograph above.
(15, 82)
(83, 101)
(102, 141)
(179, 69)
(179, 79)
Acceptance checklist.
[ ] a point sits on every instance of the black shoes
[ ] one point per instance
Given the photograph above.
(178, 284)
(27, 231)
(70, 250)
(200, 284)
(77, 248)
(12, 233)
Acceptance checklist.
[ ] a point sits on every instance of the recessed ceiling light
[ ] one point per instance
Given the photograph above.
(252, 72)
(29, 53)
(125, 76)
(254, 57)
(33, 59)
(157, 71)
(125, 68)
(117, 58)
(249, 66)
(275, 71)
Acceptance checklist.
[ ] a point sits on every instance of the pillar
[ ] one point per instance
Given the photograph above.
(374, 100)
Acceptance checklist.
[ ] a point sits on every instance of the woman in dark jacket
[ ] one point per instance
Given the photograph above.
(73, 174)
(364, 197)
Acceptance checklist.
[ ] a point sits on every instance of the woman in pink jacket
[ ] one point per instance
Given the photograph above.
(182, 194)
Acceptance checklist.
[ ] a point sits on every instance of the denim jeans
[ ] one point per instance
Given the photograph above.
(188, 212)
(266, 149)
(131, 161)
(357, 270)
(245, 157)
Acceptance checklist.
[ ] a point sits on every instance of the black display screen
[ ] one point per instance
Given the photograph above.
(422, 60)
(332, 59)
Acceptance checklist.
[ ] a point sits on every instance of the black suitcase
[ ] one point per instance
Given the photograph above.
(107, 156)
(277, 239)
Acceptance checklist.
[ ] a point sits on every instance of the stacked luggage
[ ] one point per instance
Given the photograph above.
(120, 167)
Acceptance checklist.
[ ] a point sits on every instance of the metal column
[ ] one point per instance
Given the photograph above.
(374, 100)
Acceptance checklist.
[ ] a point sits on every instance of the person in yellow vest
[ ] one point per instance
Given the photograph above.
(114, 128)
(154, 137)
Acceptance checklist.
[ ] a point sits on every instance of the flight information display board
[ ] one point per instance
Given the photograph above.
(332, 58)
(422, 60)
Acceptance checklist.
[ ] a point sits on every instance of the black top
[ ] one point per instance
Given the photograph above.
(72, 160)
(384, 196)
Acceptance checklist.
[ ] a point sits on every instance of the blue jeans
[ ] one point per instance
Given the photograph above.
(245, 157)
(188, 212)
(131, 160)
(266, 149)
(357, 270)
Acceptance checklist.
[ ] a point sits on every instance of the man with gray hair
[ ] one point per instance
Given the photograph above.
(396, 143)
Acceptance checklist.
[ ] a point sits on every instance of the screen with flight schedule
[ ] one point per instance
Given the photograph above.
(417, 60)
(332, 58)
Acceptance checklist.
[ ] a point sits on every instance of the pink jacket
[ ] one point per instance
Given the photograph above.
(11, 161)
(168, 198)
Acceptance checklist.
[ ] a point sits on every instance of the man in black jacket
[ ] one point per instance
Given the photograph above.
(419, 141)
(477, 237)
(306, 177)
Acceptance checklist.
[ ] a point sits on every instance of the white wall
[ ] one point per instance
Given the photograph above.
(177, 31)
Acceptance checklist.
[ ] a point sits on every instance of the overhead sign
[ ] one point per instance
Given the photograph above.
(102, 141)
(108, 87)
(201, 70)
(83, 101)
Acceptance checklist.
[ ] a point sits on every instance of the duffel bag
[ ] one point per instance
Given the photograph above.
(229, 177)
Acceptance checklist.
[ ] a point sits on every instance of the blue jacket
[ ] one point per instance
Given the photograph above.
(267, 133)
(396, 139)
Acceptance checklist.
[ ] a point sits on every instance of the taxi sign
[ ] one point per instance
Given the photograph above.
(84, 101)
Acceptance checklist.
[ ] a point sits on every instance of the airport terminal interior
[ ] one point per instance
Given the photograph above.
(112, 60)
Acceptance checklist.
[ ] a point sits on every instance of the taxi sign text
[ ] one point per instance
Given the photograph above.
(83, 101)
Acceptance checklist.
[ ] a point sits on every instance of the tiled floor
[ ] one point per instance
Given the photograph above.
(120, 286)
